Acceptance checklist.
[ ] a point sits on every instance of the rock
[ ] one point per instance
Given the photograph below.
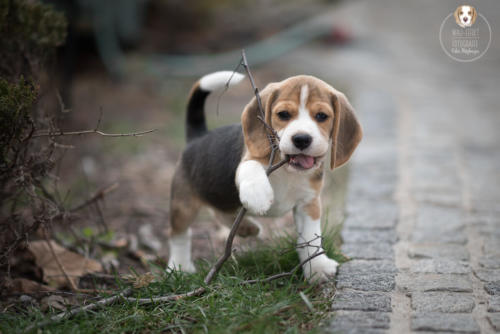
(362, 301)
(446, 302)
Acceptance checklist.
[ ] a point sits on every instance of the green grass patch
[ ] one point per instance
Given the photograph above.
(227, 306)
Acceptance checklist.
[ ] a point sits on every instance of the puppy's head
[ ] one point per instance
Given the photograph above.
(465, 16)
(307, 114)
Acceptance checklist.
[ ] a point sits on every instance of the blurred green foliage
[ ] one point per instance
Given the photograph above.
(30, 32)
(16, 103)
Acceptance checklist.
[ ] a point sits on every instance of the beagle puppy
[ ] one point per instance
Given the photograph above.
(226, 167)
(465, 16)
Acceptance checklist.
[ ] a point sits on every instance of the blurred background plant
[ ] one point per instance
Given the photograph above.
(31, 32)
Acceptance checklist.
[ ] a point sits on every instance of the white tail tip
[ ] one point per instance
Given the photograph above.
(218, 80)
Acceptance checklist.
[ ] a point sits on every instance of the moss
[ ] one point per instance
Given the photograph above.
(30, 32)
(16, 103)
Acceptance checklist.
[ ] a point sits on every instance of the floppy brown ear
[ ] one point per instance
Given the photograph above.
(254, 132)
(346, 132)
(474, 15)
(455, 14)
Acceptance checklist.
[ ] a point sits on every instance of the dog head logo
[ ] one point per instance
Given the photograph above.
(465, 16)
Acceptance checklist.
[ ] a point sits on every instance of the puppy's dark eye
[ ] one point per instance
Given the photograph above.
(461, 13)
(321, 117)
(284, 115)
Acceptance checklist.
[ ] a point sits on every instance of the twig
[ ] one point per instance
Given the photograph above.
(262, 117)
(71, 283)
(85, 132)
(97, 196)
(81, 309)
(271, 168)
(192, 293)
(286, 274)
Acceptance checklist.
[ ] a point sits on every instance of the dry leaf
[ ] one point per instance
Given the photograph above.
(140, 281)
(53, 301)
(74, 264)
(23, 285)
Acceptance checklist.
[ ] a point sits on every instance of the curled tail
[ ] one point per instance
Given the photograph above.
(195, 119)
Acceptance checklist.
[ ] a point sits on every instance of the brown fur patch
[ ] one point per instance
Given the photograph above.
(316, 180)
(313, 208)
(184, 204)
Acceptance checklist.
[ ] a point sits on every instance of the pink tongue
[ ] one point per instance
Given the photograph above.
(305, 161)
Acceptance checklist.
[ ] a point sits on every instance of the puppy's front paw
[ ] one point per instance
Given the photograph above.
(256, 195)
(321, 269)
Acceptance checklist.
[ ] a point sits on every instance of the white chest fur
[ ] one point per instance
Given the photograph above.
(289, 190)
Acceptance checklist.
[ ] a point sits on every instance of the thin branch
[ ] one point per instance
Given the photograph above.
(97, 196)
(193, 293)
(286, 274)
(228, 249)
(80, 309)
(262, 115)
(85, 132)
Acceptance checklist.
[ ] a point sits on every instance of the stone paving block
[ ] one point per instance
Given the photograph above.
(367, 267)
(494, 304)
(440, 266)
(362, 301)
(491, 246)
(434, 282)
(354, 330)
(447, 236)
(436, 251)
(372, 215)
(439, 224)
(491, 229)
(367, 282)
(494, 319)
(487, 275)
(431, 176)
(490, 262)
(369, 236)
(492, 288)
(447, 198)
(446, 302)
(353, 321)
(461, 323)
(371, 251)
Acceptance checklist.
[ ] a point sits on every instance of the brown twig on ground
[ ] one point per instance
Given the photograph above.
(81, 309)
(286, 274)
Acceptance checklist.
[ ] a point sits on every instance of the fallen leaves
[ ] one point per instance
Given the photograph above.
(75, 265)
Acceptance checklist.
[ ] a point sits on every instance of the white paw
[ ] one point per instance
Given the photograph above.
(187, 267)
(256, 195)
(321, 269)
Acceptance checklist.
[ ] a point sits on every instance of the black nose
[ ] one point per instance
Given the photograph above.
(302, 141)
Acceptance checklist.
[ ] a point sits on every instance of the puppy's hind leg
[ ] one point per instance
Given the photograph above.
(184, 207)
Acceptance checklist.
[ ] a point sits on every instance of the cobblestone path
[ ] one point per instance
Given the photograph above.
(423, 206)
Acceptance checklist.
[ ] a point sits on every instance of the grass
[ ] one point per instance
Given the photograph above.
(227, 306)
